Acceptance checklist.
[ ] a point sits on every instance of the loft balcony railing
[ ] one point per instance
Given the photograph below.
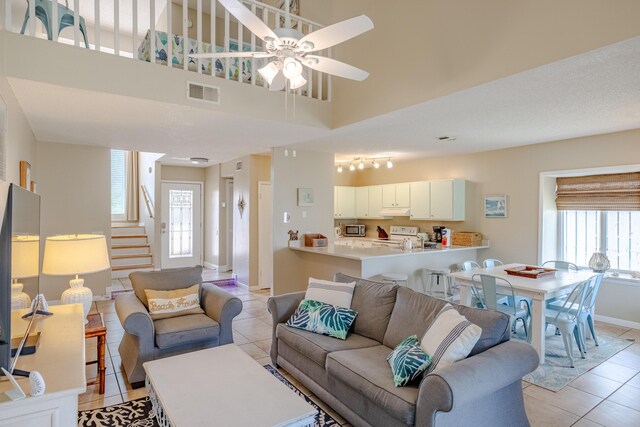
(159, 31)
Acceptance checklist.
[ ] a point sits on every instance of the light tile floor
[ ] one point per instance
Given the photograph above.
(608, 395)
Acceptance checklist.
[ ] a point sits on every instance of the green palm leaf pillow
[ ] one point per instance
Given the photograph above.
(322, 318)
(408, 361)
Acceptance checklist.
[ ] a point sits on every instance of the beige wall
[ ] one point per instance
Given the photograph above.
(182, 173)
(212, 216)
(75, 187)
(423, 49)
(148, 175)
(308, 169)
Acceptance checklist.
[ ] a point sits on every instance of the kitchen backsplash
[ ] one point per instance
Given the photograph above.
(387, 223)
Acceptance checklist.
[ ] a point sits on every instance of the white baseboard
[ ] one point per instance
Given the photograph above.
(617, 322)
(223, 269)
(209, 265)
(242, 285)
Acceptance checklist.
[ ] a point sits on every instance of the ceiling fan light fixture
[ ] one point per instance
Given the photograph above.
(297, 82)
(269, 71)
(389, 164)
(291, 68)
(307, 46)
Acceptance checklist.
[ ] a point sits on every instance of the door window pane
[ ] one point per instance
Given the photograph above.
(180, 223)
(118, 182)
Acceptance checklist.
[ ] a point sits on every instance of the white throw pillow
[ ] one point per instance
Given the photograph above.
(334, 293)
(450, 338)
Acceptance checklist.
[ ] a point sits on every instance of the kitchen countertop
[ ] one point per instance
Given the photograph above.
(360, 253)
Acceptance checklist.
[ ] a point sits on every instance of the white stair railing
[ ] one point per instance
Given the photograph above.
(98, 25)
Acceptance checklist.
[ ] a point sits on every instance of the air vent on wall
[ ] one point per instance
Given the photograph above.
(203, 93)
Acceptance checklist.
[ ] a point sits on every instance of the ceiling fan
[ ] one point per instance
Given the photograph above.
(292, 49)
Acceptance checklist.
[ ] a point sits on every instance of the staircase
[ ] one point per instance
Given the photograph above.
(130, 251)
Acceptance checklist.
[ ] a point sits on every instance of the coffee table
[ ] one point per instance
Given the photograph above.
(222, 386)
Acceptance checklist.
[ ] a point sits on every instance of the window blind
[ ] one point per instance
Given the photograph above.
(118, 182)
(609, 192)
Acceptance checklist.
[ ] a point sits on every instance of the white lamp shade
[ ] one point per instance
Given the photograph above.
(269, 71)
(75, 254)
(291, 68)
(25, 256)
(297, 82)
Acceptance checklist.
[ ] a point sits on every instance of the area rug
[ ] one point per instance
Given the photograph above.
(556, 372)
(139, 413)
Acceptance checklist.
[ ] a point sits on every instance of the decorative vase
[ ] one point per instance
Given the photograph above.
(19, 299)
(77, 293)
(599, 262)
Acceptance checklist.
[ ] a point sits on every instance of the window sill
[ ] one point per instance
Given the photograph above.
(623, 279)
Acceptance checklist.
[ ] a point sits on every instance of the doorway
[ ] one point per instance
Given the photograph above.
(231, 205)
(181, 227)
(265, 242)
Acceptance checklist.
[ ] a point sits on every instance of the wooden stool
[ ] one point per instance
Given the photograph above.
(96, 328)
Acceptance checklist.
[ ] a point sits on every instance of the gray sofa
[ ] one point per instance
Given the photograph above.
(354, 377)
(146, 339)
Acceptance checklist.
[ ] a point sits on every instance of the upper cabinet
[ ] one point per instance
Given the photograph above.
(344, 202)
(438, 200)
(396, 195)
(375, 201)
(362, 202)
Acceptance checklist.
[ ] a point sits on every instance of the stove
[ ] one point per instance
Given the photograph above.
(397, 234)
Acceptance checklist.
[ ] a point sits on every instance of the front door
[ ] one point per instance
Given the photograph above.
(181, 225)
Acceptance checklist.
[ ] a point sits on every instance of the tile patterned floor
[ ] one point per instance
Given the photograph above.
(608, 395)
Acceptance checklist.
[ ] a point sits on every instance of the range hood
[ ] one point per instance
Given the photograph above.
(395, 212)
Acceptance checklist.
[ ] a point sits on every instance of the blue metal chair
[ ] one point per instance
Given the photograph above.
(65, 18)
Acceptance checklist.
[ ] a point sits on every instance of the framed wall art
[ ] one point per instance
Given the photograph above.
(495, 206)
(305, 197)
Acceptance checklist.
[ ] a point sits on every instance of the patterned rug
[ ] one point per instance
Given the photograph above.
(139, 413)
(556, 372)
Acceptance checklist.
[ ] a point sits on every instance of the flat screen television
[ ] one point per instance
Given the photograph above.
(20, 262)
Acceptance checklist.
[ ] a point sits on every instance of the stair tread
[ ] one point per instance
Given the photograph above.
(125, 256)
(142, 245)
(129, 236)
(131, 267)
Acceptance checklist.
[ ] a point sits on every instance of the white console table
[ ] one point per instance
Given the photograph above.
(60, 359)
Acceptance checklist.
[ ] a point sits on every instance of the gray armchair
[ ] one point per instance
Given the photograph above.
(146, 339)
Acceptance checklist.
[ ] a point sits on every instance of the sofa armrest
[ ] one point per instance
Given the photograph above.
(135, 319)
(222, 307)
(473, 378)
(281, 308)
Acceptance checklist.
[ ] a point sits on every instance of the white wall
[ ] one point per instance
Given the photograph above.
(147, 177)
(212, 214)
(308, 169)
(75, 187)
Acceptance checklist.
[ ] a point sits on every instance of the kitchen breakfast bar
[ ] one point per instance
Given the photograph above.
(372, 262)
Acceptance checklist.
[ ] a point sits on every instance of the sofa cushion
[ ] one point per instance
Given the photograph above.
(173, 303)
(185, 329)
(322, 318)
(316, 347)
(164, 280)
(374, 303)
(408, 361)
(334, 293)
(414, 312)
(367, 371)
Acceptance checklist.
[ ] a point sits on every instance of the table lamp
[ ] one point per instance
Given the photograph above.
(25, 256)
(76, 254)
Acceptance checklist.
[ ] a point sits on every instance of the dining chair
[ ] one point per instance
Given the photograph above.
(43, 9)
(491, 299)
(585, 316)
(491, 262)
(470, 266)
(566, 318)
(561, 265)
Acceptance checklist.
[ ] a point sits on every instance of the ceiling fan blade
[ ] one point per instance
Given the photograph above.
(231, 55)
(278, 83)
(249, 19)
(337, 68)
(336, 33)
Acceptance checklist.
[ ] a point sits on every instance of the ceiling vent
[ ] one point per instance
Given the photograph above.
(203, 93)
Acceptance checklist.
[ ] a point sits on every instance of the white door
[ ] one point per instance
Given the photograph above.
(181, 225)
(420, 200)
(375, 201)
(362, 202)
(230, 205)
(265, 245)
(403, 195)
(347, 202)
(442, 199)
(389, 196)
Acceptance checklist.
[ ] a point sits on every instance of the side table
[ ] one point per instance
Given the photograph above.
(96, 328)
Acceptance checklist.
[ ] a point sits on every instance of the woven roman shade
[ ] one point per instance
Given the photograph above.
(610, 192)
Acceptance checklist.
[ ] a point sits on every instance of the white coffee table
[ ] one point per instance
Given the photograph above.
(222, 386)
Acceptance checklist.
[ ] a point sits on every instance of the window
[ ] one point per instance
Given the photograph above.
(616, 233)
(118, 185)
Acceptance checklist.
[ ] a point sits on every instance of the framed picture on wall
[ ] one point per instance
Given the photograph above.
(305, 197)
(25, 174)
(495, 206)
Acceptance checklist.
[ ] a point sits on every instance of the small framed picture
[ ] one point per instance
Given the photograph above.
(25, 174)
(495, 206)
(305, 196)
(34, 187)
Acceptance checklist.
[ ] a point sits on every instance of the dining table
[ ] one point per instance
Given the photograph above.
(540, 289)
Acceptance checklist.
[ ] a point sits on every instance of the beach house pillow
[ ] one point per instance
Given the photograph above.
(322, 318)
(334, 293)
(450, 338)
(177, 302)
(408, 361)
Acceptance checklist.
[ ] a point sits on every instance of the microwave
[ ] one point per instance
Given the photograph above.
(354, 230)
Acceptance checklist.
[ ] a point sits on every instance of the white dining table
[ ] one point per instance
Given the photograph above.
(540, 290)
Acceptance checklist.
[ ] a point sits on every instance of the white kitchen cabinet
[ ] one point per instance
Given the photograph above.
(438, 200)
(344, 202)
(375, 201)
(396, 195)
(362, 202)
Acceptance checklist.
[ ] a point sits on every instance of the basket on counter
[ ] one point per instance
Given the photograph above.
(315, 240)
(466, 238)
